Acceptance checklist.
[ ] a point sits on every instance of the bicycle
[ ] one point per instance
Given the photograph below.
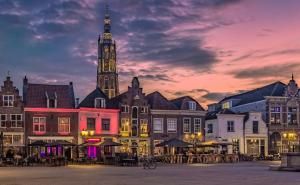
(149, 163)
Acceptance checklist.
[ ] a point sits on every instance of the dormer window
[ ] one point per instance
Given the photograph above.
(99, 103)
(227, 105)
(51, 100)
(192, 105)
(8, 100)
(51, 103)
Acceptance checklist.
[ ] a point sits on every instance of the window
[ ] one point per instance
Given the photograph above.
(226, 105)
(275, 115)
(91, 124)
(8, 100)
(210, 128)
(292, 116)
(144, 110)
(16, 120)
(230, 126)
(39, 124)
(125, 109)
(52, 103)
(134, 112)
(3, 119)
(158, 150)
(197, 125)
(106, 82)
(125, 125)
(7, 139)
(17, 139)
(64, 125)
(99, 103)
(172, 125)
(105, 124)
(192, 105)
(236, 146)
(144, 127)
(255, 127)
(186, 125)
(158, 125)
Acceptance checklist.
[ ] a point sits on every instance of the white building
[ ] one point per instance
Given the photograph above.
(247, 133)
(256, 135)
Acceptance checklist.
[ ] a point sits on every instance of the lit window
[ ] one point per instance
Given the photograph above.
(197, 125)
(3, 119)
(192, 105)
(64, 125)
(105, 124)
(7, 139)
(124, 125)
(16, 120)
(99, 103)
(230, 126)
(186, 125)
(144, 127)
(158, 125)
(226, 105)
(8, 100)
(172, 125)
(39, 124)
(275, 115)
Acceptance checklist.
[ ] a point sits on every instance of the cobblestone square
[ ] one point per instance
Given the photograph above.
(245, 173)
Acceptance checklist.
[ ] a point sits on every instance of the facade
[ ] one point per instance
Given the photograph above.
(255, 135)
(182, 118)
(11, 119)
(284, 119)
(134, 119)
(226, 125)
(50, 116)
(96, 122)
(107, 76)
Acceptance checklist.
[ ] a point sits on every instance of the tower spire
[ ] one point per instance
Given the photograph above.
(106, 20)
(292, 76)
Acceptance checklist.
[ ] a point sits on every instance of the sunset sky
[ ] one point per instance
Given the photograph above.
(204, 48)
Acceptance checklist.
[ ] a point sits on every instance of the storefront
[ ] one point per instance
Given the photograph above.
(256, 146)
(138, 146)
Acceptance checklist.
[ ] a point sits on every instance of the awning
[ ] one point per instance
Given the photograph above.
(60, 143)
(174, 143)
(90, 144)
(38, 143)
(110, 143)
(213, 143)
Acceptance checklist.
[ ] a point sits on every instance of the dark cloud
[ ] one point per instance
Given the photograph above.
(45, 39)
(268, 71)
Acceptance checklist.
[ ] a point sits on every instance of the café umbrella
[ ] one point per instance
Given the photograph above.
(174, 143)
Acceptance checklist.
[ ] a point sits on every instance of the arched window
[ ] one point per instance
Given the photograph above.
(134, 114)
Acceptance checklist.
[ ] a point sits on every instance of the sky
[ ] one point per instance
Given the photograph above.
(207, 49)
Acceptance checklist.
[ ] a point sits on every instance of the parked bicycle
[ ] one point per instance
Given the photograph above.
(149, 163)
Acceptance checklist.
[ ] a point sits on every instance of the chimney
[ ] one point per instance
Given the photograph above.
(71, 83)
(77, 103)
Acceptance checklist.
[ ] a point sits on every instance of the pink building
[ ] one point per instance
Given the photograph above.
(97, 123)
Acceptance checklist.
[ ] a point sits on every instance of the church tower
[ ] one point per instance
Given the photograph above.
(107, 76)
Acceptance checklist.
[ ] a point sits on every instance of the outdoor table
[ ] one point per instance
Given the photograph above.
(128, 162)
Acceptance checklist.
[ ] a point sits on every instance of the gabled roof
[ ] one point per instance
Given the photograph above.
(226, 111)
(89, 100)
(35, 95)
(178, 102)
(274, 89)
(158, 101)
(115, 101)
